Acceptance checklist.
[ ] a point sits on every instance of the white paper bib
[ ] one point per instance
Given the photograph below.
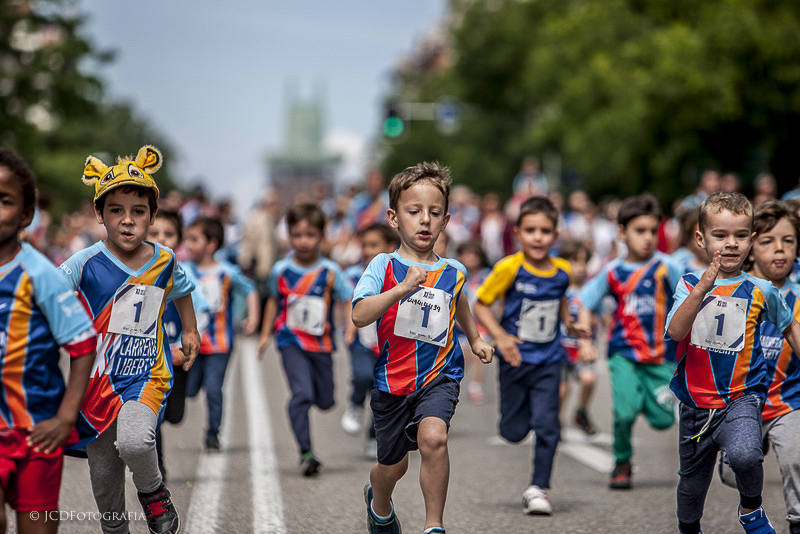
(307, 314)
(720, 324)
(368, 335)
(424, 315)
(538, 320)
(212, 288)
(135, 310)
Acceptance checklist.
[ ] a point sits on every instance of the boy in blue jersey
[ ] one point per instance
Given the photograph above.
(375, 239)
(414, 296)
(721, 378)
(640, 361)
(303, 288)
(124, 282)
(533, 287)
(219, 282)
(38, 314)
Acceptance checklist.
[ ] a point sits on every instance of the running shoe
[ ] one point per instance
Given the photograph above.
(756, 522)
(583, 422)
(536, 502)
(212, 444)
(309, 464)
(353, 420)
(621, 476)
(160, 512)
(374, 526)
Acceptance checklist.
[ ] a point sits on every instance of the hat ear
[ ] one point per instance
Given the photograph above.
(148, 159)
(94, 170)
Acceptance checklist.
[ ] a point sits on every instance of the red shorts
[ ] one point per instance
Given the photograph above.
(31, 481)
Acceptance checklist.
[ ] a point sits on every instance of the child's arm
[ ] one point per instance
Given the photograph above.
(270, 312)
(482, 350)
(250, 322)
(506, 343)
(190, 337)
(367, 310)
(586, 349)
(50, 434)
(684, 316)
(792, 335)
(574, 328)
(350, 330)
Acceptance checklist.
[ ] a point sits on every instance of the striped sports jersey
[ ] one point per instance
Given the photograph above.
(416, 334)
(570, 343)
(367, 337)
(305, 298)
(721, 357)
(783, 367)
(38, 313)
(126, 306)
(219, 284)
(531, 304)
(643, 293)
(172, 320)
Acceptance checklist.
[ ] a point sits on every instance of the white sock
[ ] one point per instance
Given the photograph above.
(381, 518)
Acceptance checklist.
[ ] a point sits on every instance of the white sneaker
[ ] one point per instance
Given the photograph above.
(371, 449)
(352, 420)
(536, 502)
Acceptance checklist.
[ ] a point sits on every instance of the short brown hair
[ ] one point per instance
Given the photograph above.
(770, 212)
(387, 233)
(535, 205)
(432, 172)
(212, 229)
(638, 206)
(734, 202)
(126, 189)
(571, 248)
(311, 213)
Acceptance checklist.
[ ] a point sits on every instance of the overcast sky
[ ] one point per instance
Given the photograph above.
(213, 76)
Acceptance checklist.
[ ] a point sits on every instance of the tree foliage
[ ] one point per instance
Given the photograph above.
(633, 95)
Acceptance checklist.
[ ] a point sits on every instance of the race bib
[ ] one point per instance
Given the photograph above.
(135, 310)
(538, 320)
(424, 315)
(720, 324)
(306, 314)
(368, 335)
(212, 287)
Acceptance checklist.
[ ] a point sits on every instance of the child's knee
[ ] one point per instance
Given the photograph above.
(132, 448)
(744, 460)
(431, 437)
(514, 433)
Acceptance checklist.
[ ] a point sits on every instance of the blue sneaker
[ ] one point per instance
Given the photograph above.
(435, 530)
(756, 522)
(374, 526)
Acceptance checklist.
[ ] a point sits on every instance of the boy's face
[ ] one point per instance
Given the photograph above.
(640, 236)
(536, 234)
(774, 252)
(127, 218)
(578, 267)
(372, 244)
(305, 240)
(420, 217)
(164, 232)
(731, 235)
(13, 215)
(198, 246)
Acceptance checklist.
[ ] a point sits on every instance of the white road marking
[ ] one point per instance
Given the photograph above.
(265, 482)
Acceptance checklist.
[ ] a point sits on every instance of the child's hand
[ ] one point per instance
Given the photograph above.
(177, 355)
(507, 345)
(483, 350)
(710, 274)
(190, 346)
(263, 342)
(415, 276)
(50, 434)
(579, 331)
(349, 335)
(249, 326)
(586, 351)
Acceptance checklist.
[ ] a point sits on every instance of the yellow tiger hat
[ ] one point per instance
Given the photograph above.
(127, 171)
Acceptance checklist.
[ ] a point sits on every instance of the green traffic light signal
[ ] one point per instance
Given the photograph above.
(393, 127)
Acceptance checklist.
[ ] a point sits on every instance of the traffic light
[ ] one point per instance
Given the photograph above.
(394, 124)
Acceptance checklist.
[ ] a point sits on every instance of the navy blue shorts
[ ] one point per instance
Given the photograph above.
(397, 416)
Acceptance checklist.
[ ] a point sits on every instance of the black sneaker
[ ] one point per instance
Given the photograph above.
(309, 464)
(583, 422)
(160, 512)
(392, 526)
(794, 528)
(621, 476)
(212, 444)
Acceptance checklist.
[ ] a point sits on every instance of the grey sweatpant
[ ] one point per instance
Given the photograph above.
(783, 433)
(131, 441)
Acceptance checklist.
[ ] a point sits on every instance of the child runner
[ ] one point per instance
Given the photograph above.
(167, 230)
(38, 314)
(375, 239)
(220, 281)
(414, 296)
(124, 282)
(532, 286)
(578, 255)
(303, 287)
(640, 361)
(721, 379)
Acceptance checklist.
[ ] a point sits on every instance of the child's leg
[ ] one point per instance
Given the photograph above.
(298, 373)
(626, 393)
(434, 470)
(587, 378)
(44, 524)
(783, 432)
(194, 376)
(515, 406)
(214, 376)
(107, 474)
(322, 376)
(176, 402)
(543, 398)
(658, 404)
(136, 443)
(697, 460)
(383, 479)
(362, 363)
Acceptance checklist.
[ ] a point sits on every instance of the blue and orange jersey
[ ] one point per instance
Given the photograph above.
(219, 284)
(570, 343)
(416, 334)
(38, 313)
(531, 304)
(783, 367)
(172, 320)
(643, 293)
(367, 337)
(721, 358)
(305, 298)
(126, 307)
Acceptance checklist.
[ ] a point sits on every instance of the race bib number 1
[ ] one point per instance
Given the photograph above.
(538, 320)
(135, 310)
(720, 324)
(424, 316)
